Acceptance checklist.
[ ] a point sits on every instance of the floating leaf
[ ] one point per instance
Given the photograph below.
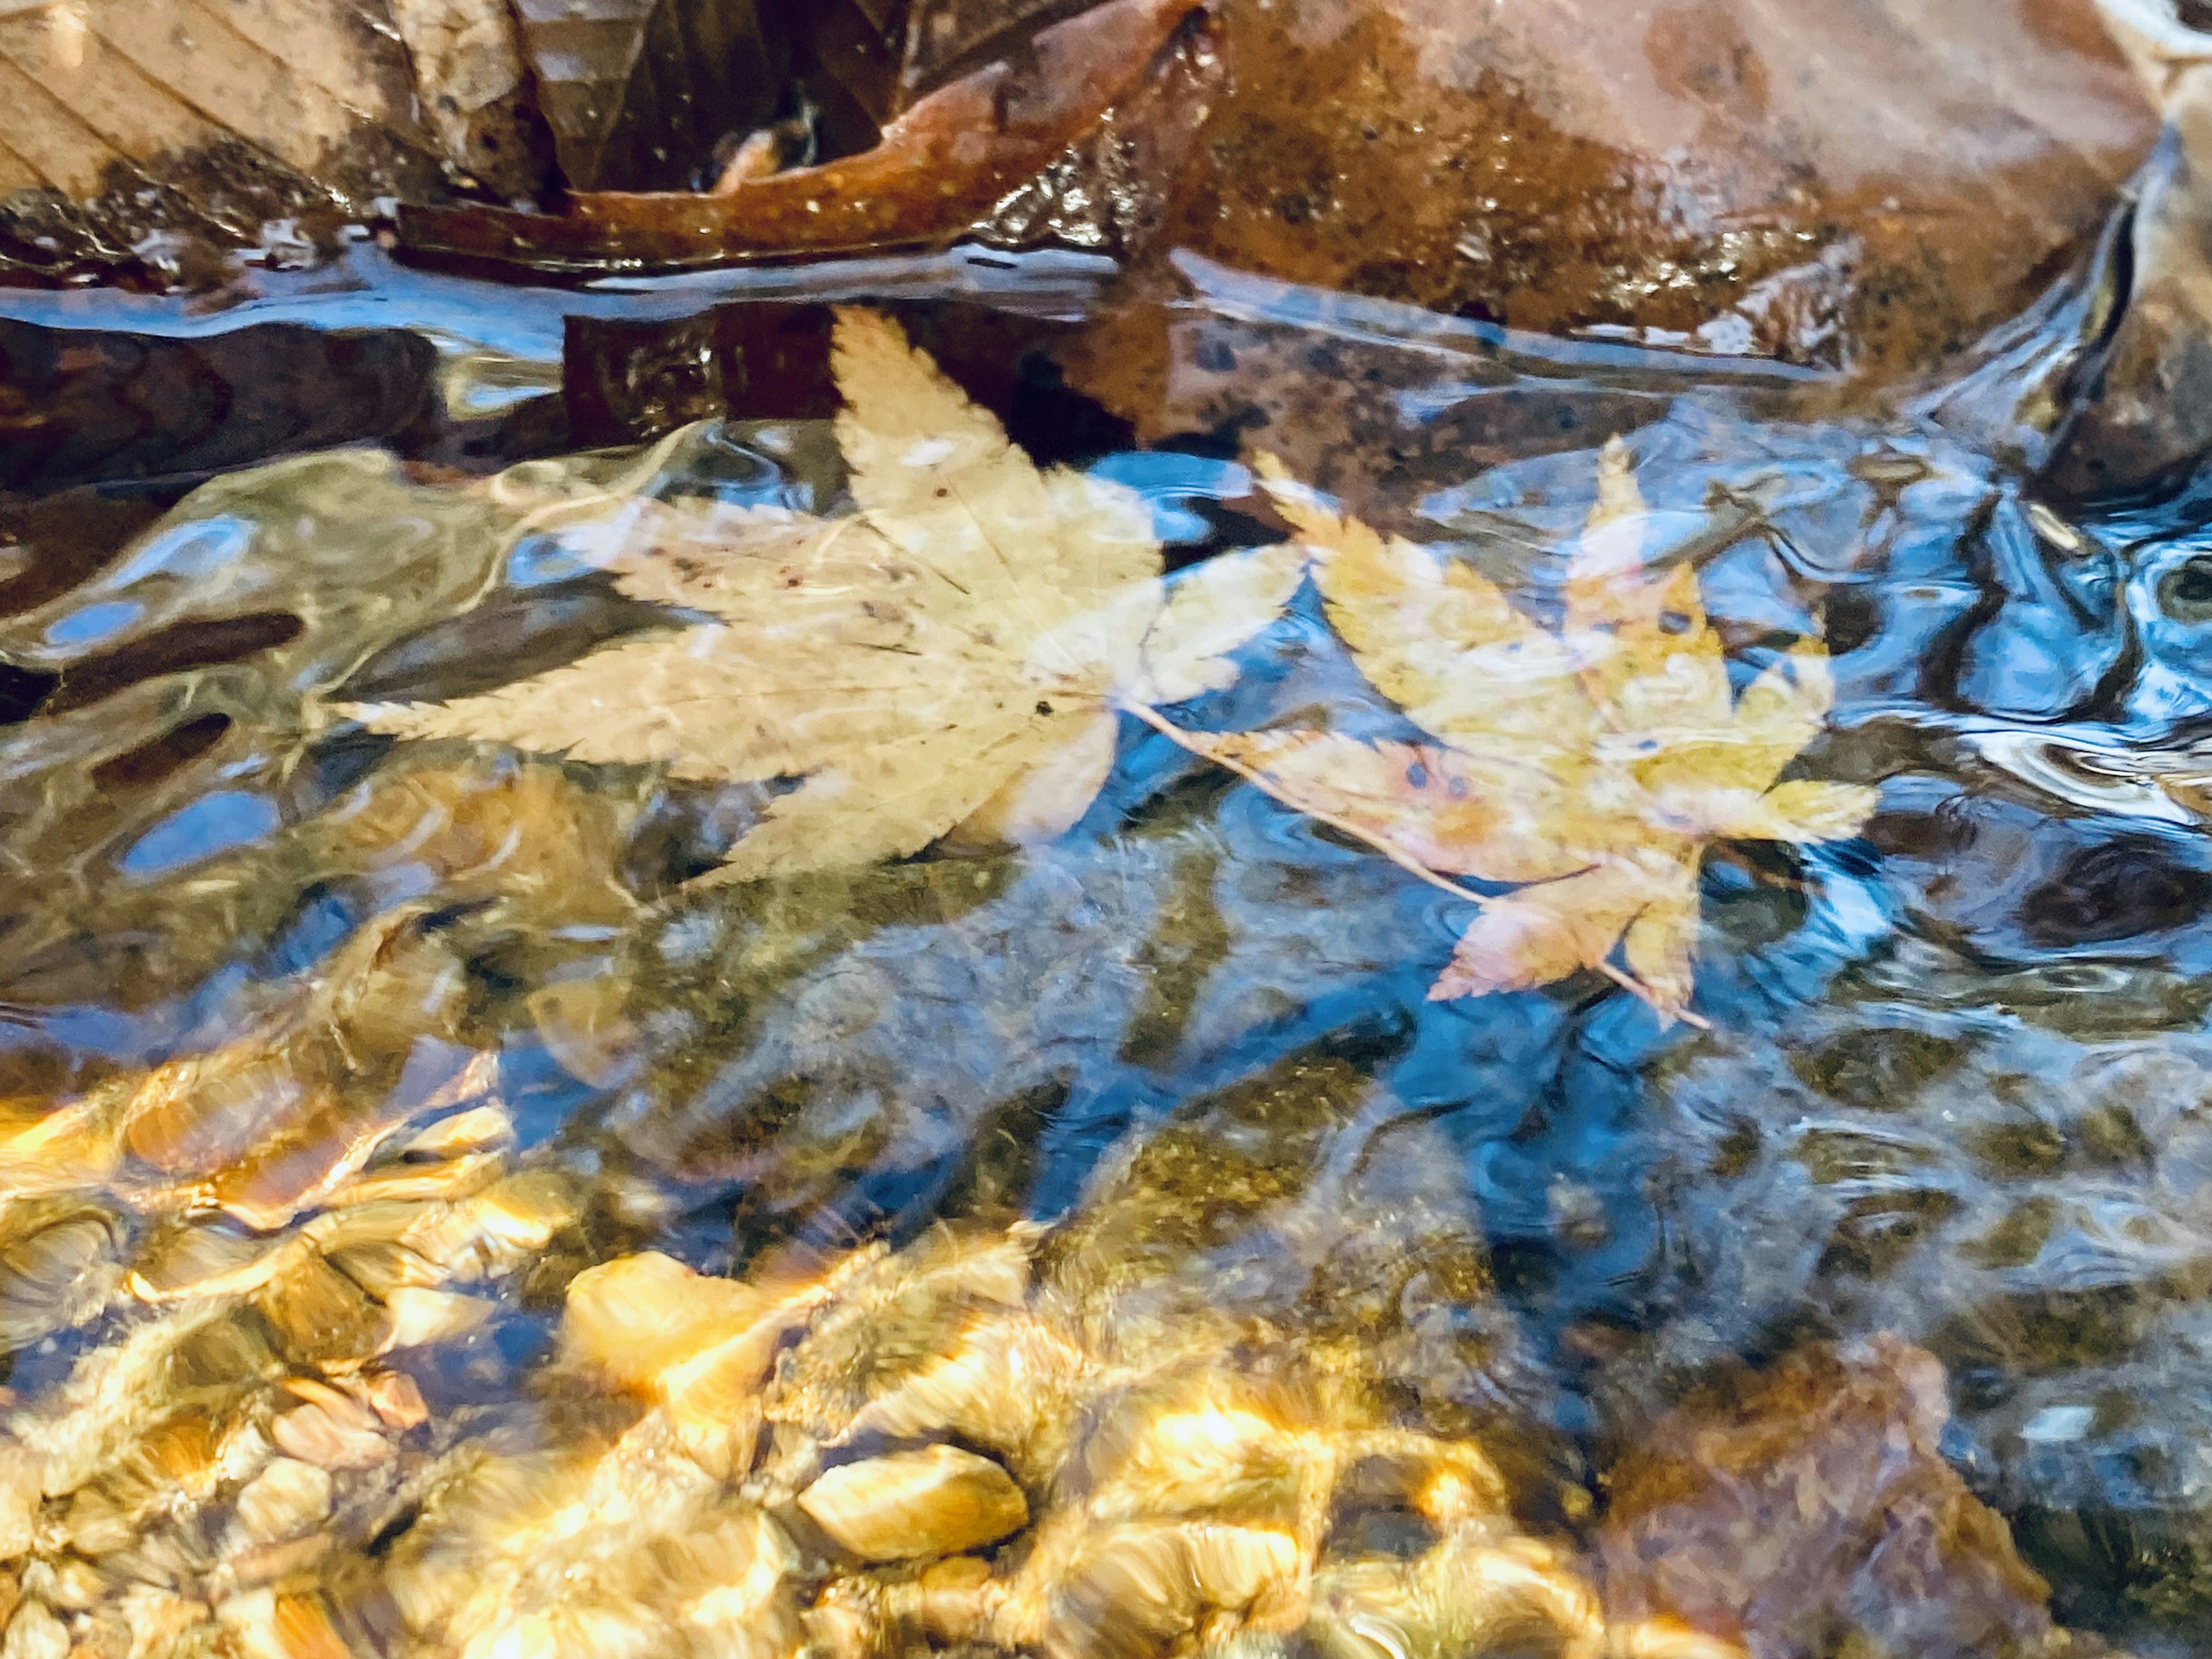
(1594, 765)
(948, 660)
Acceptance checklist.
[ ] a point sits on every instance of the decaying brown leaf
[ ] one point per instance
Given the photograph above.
(117, 82)
(1592, 766)
(949, 661)
(942, 165)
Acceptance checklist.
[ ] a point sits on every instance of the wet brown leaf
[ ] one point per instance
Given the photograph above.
(1594, 765)
(297, 78)
(921, 677)
(942, 164)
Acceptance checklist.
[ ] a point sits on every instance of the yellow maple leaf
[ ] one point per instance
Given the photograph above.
(946, 662)
(1590, 768)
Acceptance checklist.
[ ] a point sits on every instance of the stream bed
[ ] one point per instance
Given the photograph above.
(1946, 1089)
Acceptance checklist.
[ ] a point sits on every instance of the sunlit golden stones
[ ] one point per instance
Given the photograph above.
(938, 1501)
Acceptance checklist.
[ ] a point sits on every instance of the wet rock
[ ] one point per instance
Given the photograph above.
(1710, 176)
(285, 1498)
(1807, 1510)
(35, 1633)
(939, 1501)
(58, 1266)
(2138, 395)
(81, 405)
(2023, 1201)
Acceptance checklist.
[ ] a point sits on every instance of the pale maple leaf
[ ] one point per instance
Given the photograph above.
(946, 662)
(1590, 768)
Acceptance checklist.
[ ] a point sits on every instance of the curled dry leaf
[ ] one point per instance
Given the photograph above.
(942, 164)
(948, 661)
(1592, 766)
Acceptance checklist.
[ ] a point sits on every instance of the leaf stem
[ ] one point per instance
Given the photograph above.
(1412, 866)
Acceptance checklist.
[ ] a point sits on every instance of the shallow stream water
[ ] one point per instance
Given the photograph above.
(1949, 1080)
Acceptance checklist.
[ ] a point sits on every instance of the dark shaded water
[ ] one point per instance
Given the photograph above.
(1956, 1082)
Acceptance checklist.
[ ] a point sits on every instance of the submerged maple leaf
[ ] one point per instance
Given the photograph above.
(1590, 767)
(948, 661)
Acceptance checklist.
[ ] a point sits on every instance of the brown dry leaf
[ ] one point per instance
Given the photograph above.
(236, 106)
(1594, 765)
(942, 164)
(947, 661)
(96, 82)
